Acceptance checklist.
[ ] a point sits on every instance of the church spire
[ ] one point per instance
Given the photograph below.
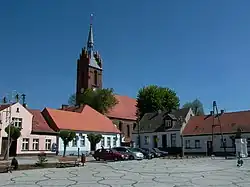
(94, 58)
(90, 43)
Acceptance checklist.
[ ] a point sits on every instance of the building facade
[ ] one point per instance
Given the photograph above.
(162, 129)
(85, 121)
(81, 145)
(209, 134)
(35, 137)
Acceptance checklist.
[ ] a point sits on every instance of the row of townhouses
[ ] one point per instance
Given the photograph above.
(181, 131)
(177, 131)
(39, 129)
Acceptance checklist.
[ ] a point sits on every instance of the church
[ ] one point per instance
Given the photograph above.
(89, 75)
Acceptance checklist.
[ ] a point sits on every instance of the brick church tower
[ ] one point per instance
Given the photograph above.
(89, 67)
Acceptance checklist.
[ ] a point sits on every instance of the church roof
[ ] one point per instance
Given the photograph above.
(125, 109)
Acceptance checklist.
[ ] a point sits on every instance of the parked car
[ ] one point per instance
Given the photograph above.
(162, 153)
(109, 154)
(155, 154)
(147, 154)
(132, 155)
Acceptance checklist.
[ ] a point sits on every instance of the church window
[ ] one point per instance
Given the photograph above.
(95, 77)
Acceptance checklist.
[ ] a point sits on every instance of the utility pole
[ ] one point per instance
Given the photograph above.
(216, 115)
(8, 120)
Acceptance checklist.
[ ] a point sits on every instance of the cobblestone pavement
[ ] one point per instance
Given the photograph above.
(202, 172)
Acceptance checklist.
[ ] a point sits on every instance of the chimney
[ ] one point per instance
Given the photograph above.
(64, 107)
(23, 100)
(211, 113)
(222, 111)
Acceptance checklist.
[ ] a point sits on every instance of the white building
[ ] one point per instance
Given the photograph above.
(36, 135)
(161, 129)
(83, 122)
(198, 132)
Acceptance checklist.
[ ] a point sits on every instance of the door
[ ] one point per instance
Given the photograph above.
(164, 141)
(209, 148)
(155, 141)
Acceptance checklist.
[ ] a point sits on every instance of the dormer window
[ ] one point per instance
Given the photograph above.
(168, 123)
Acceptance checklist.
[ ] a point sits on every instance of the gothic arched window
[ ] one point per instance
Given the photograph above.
(95, 77)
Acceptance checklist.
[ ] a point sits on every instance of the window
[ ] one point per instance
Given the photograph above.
(128, 130)
(47, 144)
(82, 141)
(25, 144)
(120, 125)
(17, 110)
(114, 141)
(103, 142)
(173, 140)
(95, 77)
(35, 144)
(17, 122)
(248, 142)
(168, 123)
(197, 144)
(221, 142)
(146, 140)
(108, 141)
(187, 142)
(74, 142)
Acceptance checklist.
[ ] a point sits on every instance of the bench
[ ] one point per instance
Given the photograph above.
(68, 161)
(5, 167)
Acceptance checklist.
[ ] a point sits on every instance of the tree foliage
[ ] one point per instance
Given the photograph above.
(14, 133)
(153, 98)
(66, 136)
(196, 106)
(94, 139)
(102, 100)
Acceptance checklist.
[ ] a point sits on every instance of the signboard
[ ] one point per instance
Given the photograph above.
(241, 147)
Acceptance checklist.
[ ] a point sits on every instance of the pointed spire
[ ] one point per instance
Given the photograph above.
(90, 44)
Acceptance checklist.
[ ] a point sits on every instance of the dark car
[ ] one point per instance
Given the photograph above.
(152, 151)
(147, 154)
(109, 154)
(132, 154)
(162, 153)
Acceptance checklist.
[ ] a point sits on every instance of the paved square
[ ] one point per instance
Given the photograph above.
(146, 173)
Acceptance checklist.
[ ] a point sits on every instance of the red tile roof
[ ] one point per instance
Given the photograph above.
(125, 109)
(4, 106)
(230, 122)
(88, 120)
(39, 124)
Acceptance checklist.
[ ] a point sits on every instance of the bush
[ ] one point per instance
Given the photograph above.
(42, 160)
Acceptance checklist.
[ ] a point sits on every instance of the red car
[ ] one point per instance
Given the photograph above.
(109, 154)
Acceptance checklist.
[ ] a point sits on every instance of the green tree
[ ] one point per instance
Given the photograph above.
(196, 106)
(94, 139)
(102, 100)
(66, 136)
(153, 98)
(14, 133)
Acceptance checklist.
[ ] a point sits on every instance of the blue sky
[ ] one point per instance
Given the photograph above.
(198, 48)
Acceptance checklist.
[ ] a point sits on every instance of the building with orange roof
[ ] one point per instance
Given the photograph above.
(89, 75)
(198, 132)
(86, 120)
(36, 135)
